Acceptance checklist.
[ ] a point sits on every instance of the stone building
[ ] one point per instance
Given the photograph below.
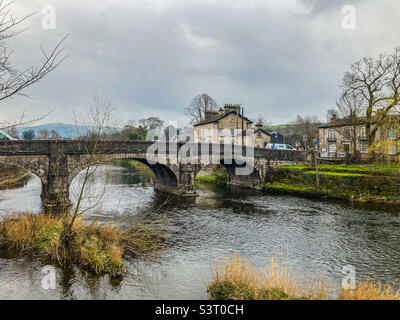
(261, 137)
(224, 126)
(336, 139)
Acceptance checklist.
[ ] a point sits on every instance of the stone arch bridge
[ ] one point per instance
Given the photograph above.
(175, 165)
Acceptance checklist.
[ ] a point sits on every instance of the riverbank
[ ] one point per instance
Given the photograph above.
(213, 174)
(13, 178)
(97, 248)
(238, 279)
(147, 176)
(378, 183)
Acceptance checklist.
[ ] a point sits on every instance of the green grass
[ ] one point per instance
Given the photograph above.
(213, 175)
(340, 174)
(313, 192)
(376, 168)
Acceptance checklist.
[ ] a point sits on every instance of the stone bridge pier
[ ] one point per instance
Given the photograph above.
(57, 163)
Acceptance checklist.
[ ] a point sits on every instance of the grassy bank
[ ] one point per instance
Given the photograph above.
(213, 174)
(360, 182)
(94, 247)
(12, 178)
(238, 279)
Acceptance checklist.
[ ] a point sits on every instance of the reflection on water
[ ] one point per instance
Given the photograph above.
(314, 236)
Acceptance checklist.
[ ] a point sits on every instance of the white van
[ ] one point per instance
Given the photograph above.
(279, 146)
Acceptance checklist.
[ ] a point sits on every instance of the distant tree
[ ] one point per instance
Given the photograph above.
(260, 120)
(44, 134)
(137, 134)
(377, 81)
(330, 113)
(307, 128)
(351, 107)
(132, 123)
(28, 135)
(198, 106)
(151, 123)
(54, 135)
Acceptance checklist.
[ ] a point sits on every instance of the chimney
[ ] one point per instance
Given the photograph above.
(259, 126)
(232, 107)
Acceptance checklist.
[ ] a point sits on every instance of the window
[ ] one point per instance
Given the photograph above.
(392, 149)
(221, 132)
(232, 132)
(362, 132)
(346, 134)
(332, 149)
(259, 134)
(363, 147)
(332, 134)
(392, 133)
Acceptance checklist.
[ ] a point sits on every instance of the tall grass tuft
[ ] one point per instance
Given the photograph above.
(369, 290)
(238, 279)
(98, 248)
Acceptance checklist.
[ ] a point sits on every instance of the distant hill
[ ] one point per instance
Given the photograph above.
(66, 131)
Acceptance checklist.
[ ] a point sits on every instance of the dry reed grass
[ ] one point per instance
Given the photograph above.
(370, 290)
(238, 279)
(274, 282)
(96, 247)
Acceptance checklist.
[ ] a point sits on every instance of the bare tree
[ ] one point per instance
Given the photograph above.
(13, 132)
(151, 123)
(377, 81)
(44, 134)
(13, 81)
(330, 113)
(98, 122)
(350, 107)
(199, 105)
(307, 128)
(261, 120)
(54, 135)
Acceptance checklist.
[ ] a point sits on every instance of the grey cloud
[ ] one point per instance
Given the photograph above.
(271, 56)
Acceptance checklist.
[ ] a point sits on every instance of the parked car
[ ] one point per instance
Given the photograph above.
(279, 146)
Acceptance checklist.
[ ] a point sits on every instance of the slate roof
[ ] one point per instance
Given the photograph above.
(217, 117)
(267, 133)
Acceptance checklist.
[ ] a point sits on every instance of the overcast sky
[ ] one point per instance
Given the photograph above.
(275, 57)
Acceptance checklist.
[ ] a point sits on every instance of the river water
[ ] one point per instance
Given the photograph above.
(313, 236)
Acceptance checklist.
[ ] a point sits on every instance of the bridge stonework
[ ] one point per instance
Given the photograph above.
(57, 162)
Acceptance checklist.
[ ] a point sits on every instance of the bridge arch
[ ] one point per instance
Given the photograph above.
(166, 178)
(37, 165)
